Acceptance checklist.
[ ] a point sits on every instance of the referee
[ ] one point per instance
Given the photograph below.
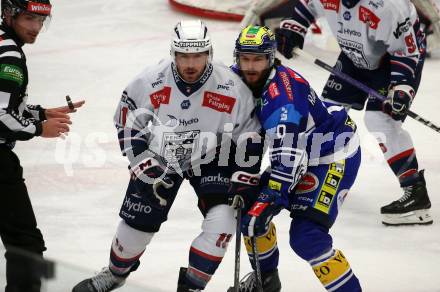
(22, 21)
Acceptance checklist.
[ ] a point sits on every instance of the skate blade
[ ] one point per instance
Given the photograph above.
(418, 217)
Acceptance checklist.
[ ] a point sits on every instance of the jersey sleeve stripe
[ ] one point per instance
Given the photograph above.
(11, 54)
(16, 123)
(7, 42)
(399, 66)
(4, 99)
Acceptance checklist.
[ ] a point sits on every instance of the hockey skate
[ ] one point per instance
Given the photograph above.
(102, 282)
(271, 282)
(181, 285)
(411, 209)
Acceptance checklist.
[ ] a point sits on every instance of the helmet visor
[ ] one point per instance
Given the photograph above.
(43, 20)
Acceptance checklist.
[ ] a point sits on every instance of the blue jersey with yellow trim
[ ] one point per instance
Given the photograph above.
(298, 124)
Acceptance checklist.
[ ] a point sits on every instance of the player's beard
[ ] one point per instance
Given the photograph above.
(257, 86)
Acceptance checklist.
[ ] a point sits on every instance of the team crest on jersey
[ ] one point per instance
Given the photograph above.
(355, 52)
(287, 85)
(177, 147)
(273, 90)
(331, 4)
(218, 102)
(368, 17)
(160, 97)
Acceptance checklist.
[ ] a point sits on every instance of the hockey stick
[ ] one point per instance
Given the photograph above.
(255, 258)
(238, 204)
(359, 85)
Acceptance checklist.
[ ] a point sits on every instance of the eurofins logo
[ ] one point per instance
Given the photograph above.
(11, 72)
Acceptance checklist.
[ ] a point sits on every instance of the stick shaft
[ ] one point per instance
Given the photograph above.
(255, 257)
(239, 205)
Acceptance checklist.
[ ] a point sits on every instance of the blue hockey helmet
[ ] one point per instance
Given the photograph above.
(256, 40)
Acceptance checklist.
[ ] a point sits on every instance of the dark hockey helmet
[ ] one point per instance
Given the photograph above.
(256, 40)
(38, 7)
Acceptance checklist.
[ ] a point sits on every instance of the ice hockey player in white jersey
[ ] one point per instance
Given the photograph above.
(382, 46)
(270, 12)
(176, 121)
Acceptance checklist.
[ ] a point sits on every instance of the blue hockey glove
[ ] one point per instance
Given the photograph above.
(151, 180)
(289, 36)
(398, 102)
(244, 184)
(256, 221)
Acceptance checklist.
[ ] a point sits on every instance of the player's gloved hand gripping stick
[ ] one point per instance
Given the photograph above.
(151, 179)
(244, 187)
(238, 204)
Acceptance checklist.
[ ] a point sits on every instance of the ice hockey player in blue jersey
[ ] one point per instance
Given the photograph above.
(314, 159)
(383, 46)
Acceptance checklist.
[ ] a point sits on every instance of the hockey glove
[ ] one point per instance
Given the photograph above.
(151, 180)
(398, 102)
(289, 36)
(256, 221)
(244, 184)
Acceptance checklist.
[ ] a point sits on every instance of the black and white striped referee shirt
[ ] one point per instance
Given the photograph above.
(18, 120)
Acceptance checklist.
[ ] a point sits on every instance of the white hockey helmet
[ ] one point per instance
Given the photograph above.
(191, 36)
